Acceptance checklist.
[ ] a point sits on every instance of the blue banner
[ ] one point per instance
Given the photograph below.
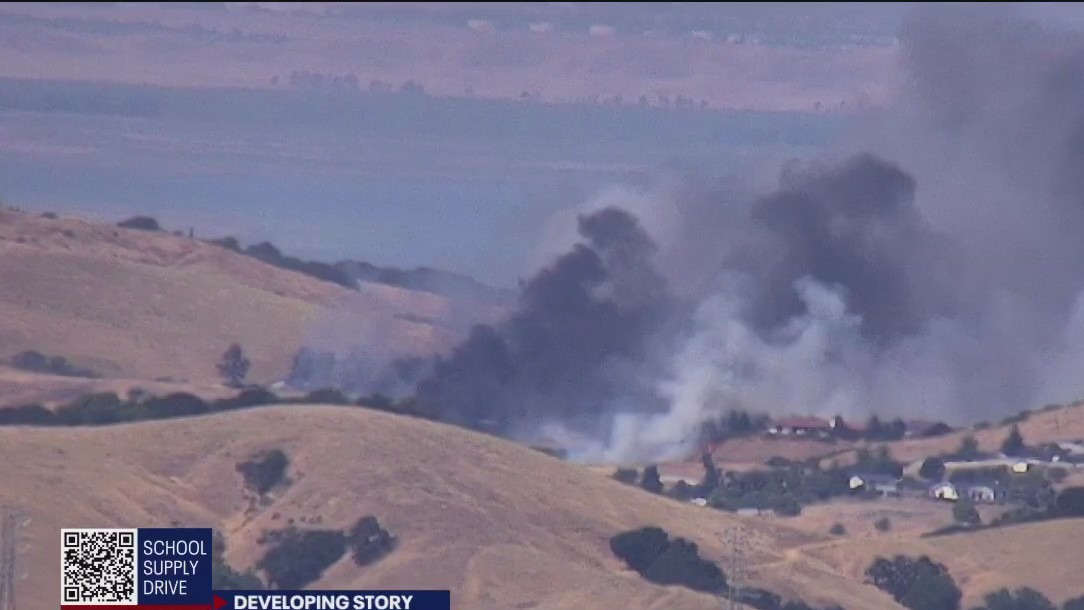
(333, 600)
(174, 566)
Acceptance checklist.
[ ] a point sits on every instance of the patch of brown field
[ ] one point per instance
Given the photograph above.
(909, 517)
(147, 305)
(495, 522)
(1039, 555)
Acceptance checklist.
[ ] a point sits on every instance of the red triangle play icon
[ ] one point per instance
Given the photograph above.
(219, 602)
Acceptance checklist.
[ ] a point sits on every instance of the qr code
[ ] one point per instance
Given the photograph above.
(98, 566)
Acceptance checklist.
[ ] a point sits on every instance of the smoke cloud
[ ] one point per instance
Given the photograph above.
(934, 268)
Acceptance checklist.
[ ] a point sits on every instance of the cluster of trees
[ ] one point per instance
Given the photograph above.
(143, 223)
(106, 408)
(299, 557)
(784, 489)
(1025, 598)
(666, 560)
(735, 424)
(918, 584)
(265, 471)
(38, 362)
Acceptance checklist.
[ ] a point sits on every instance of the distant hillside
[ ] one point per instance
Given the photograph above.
(348, 273)
(495, 522)
(144, 304)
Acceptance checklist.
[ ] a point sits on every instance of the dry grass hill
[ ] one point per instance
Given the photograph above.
(150, 305)
(502, 525)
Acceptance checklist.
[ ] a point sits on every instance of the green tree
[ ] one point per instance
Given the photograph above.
(1024, 598)
(627, 476)
(933, 469)
(1014, 443)
(883, 524)
(234, 365)
(837, 530)
(969, 448)
(964, 512)
(651, 481)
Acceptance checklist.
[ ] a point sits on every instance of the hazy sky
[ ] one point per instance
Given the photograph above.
(284, 121)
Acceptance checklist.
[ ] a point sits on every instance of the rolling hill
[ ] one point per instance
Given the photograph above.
(151, 305)
(502, 525)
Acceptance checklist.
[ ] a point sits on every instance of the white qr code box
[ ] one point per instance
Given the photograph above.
(99, 567)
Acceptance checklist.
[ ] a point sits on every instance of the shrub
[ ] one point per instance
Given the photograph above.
(964, 512)
(229, 243)
(1057, 474)
(778, 462)
(143, 223)
(178, 404)
(919, 584)
(300, 557)
(933, 469)
(651, 480)
(627, 476)
(1077, 603)
(883, 524)
(27, 415)
(1014, 443)
(369, 542)
(376, 401)
(837, 530)
(252, 396)
(639, 548)
(330, 396)
(234, 365)
(938, 429)
(31, 360)
(969, 449)
(264, 471)
(94, 410)
(1024, 598)
(651, 552)
(1070, 502)
(787, 506)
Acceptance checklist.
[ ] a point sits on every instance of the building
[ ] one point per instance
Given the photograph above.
(982, 494)
(883, 485)
(801, 426)
(945, 491)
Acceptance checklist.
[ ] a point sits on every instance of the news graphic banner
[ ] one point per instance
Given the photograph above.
(170, 569)
(332, 600)
(166, 568)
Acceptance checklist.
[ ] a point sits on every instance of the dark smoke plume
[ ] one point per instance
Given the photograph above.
(934, 269)
(572, 352)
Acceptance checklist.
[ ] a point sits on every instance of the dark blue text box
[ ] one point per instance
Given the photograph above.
(174, 566)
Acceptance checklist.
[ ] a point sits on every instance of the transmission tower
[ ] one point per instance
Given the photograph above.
(736, 558)
(8, 542)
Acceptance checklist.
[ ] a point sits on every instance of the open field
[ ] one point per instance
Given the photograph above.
(468, 514)
(151, 305)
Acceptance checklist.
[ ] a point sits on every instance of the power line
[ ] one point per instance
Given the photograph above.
(736, 558)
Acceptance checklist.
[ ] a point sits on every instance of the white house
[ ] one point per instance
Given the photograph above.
(945, 491)
(981, 493)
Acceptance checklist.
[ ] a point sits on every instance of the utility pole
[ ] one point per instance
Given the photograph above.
(736, 558)
(8, 544)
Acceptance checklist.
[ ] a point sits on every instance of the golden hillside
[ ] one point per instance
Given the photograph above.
(149, 305)
(502, 525)
(1038, 555)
